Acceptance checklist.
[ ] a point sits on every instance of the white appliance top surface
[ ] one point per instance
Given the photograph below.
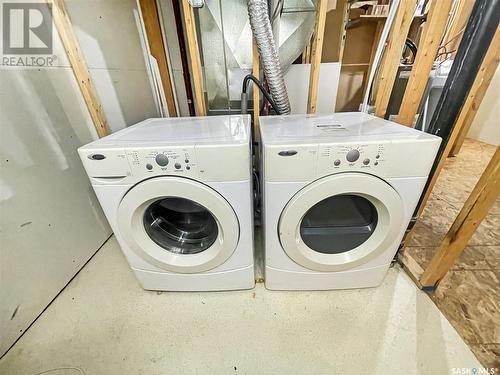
(228, 129)
(334, 128)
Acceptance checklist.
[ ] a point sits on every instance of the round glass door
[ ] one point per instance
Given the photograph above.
(340, 221)
(180, 225)
(338, 224)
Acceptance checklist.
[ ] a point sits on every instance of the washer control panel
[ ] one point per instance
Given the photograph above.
(161, 161)
(332, 158)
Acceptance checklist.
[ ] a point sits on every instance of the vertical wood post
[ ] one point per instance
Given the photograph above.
(432, 34)
(392, 55)
(79, 66)
(151, 19)
(194, 55)
(488, 68)
(477, 92)
(455, 33)
(343, 33)
(317, 50)
(473, 212)
(256, 93)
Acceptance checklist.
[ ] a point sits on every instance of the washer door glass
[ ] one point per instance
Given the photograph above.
(338, 224)
(180, 225)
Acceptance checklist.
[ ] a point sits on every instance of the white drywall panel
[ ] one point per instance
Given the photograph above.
(486, 125)
(297, 84)
(50, 220)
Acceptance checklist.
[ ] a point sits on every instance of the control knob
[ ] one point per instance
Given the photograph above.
(161, 160)
(352, 155)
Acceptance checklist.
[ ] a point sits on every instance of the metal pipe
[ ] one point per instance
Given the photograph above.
(262, 31)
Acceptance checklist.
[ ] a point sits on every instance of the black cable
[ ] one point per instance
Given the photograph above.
(252, 78)
(412, 46)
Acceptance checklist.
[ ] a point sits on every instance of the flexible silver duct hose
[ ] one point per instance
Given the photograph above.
(263, 34)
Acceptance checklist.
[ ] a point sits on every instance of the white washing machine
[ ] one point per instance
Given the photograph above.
(338, 193)
(178, 195)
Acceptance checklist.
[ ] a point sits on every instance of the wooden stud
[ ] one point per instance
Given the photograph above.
(454, 35)
(411, 266)
(194, 55)
(316, 53)
(477, 93)
(473, 212)
(392, 55)
(306, 54)
(343, 34)
(432, 34)
(256, 93)
(79, 66)
(151, 19)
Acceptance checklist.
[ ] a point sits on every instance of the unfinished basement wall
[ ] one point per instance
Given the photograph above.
(110, 39)
(486, 127)
(50, 220)
(355, 63)
(171, 40)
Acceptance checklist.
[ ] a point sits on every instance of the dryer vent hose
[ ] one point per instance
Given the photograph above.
(263, 34)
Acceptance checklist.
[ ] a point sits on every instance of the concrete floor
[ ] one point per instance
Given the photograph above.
(104, 323)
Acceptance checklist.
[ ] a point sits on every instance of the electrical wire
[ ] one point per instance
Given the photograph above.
(454, 37)
(277, 10)
(251, 77)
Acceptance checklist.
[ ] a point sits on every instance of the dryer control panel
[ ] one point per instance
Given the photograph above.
(307, 162)
(368, 157)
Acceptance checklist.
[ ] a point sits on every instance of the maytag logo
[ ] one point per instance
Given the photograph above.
(27, 34)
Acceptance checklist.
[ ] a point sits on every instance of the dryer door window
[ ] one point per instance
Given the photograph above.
(338, 224)
(180, 225)
(340, 221)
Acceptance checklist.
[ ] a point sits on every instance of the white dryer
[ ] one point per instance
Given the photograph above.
(178, 194)
(338, 193)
